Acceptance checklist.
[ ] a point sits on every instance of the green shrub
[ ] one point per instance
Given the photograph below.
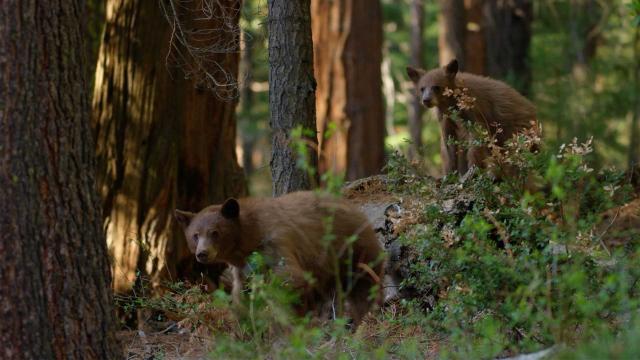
(519, 270)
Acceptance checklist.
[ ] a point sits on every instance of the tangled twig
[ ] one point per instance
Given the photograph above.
(203, 33)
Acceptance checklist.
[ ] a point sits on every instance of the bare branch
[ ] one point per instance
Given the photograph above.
(202, 30)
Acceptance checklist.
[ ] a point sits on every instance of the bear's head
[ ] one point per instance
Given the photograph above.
(213, 234)
(431, 85)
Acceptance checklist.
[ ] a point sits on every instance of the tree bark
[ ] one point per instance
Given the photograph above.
(163, 139)
(54, 270)
(474, 39)
(415, 109)
(291, 94)
(347, 38)
(507, 30)
(95, 10)
(451, 32)
(246, 123)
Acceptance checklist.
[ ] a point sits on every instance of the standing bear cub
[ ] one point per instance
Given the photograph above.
(299, 234)
(490, 104)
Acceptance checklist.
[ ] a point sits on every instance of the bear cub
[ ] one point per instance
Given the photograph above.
(299, 234)
(492, 104)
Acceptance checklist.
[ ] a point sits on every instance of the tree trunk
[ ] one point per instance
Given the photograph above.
(451, 32)
(634, 134)
(164, 140)
(415, 108)
(246, 123)
(347, 38)
(54, 270)
(95, 10)
(507, 30)
(475, 42)
(584, 30)
(291, 95)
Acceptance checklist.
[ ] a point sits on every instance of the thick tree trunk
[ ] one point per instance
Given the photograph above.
(54, 270)
(507, 28)
(347, 37)
(95, 11)
(415, 108)
(291, 94)
(451, 32)
(163, 140)
(474, 41)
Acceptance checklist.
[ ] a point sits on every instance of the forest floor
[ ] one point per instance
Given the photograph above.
(465, 278)
(190, 336)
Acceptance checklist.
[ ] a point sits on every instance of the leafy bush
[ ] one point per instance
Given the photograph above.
(514, 270)
(492, 268)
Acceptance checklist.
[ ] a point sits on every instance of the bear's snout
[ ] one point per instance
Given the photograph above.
(428, 99)
(202, 256)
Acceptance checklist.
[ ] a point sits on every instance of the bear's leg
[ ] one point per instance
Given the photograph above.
(360, 300)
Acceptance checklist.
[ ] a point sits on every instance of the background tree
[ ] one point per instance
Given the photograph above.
(585, 18)
(291, 93)
(634, 134)
(451, 31)
(245, 121)
(475, 47)
(165, 127)
(54, 269)
(507, 30)
(497, 39)
(415, 108)
(347, 37)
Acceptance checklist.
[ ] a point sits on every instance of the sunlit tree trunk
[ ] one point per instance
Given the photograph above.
(291, 94)
(451, 32)
(163, 140)
(94, 25)
(415, 108)
(54, 270)
(347, 38)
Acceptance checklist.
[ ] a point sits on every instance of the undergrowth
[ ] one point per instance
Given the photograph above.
(491, 268)
(520, 264)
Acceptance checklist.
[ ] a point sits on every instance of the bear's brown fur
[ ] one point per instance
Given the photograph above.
(299, 233)
(498, 108)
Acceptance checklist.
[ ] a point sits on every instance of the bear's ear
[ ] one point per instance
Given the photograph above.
(415, 74)
(230, 208)
(183, 217)
(451, 69)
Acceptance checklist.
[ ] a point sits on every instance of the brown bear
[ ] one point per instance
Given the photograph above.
(299, 234)
(492, 104)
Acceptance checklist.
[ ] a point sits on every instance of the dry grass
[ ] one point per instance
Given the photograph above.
(194, 336)
(139, 345)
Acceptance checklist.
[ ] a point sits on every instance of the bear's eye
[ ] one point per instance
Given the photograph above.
(214, 234)
(195, 237)
(422, 89)
(436, 88)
